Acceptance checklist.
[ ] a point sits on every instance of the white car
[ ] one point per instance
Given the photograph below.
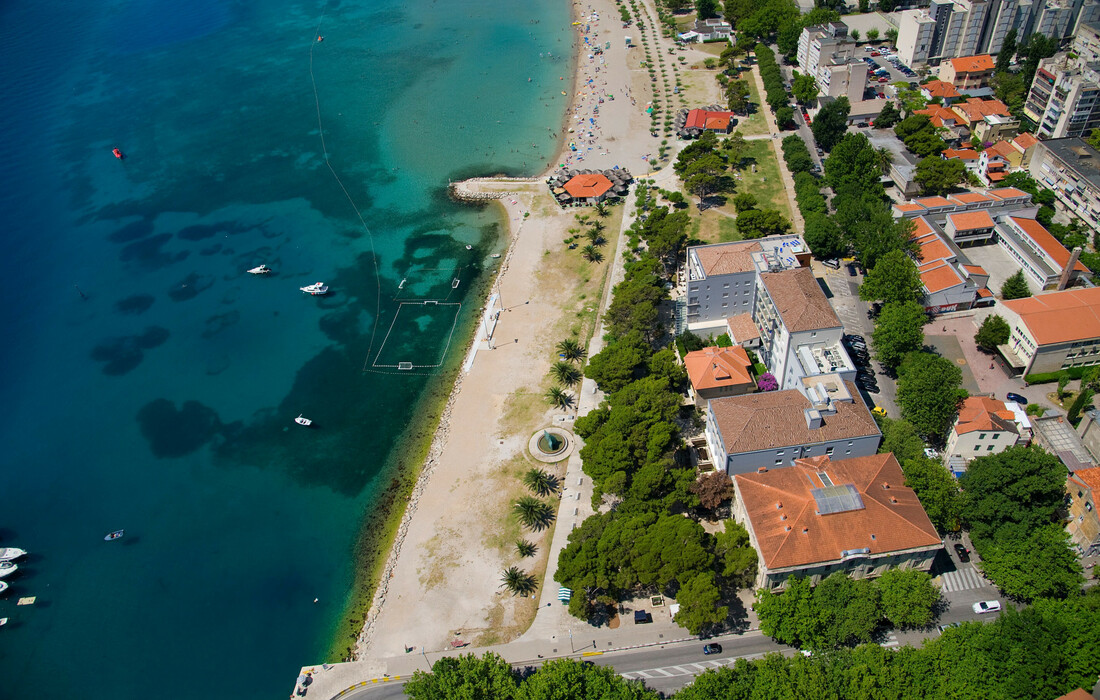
(987, 606)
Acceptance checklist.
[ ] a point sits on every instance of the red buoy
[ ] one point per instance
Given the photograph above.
(118, 153)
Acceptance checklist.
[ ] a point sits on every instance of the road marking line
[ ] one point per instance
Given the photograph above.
(680, 669)
(663, 672)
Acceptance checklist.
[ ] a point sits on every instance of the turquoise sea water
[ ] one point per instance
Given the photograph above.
(149, 384)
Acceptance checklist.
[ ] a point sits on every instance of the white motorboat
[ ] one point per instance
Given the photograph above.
(301, 420)
(114, 535)
(3, 586)
(10, 553)
(495, 255)
(8, 567)
(261, 270)
(316, 289)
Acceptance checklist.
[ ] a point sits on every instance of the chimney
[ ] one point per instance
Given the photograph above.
(813, 418)
(1063, 281)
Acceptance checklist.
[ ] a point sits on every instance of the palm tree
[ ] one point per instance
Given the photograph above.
(595, 237)
(571, 350)
(566, 373)
(884, 159)
(525, 548)
(534, 514)
(601, 209)
(540, 481)
(592, 255)
(518, 582)
(559, 398)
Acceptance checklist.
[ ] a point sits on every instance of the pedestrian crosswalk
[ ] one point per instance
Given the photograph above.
(963, 579)
(693, 669)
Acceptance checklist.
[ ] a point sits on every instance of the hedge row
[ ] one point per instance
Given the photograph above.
(807, 192)
(1048, 377)
(772, 77)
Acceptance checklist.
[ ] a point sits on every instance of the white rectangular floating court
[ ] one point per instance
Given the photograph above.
(418, 337)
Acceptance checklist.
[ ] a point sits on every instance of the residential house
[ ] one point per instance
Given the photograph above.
(1054, 331)
(945, 91)
(984, 426)
(825, 416)
(1071, 168)
(989, 120)
(715, 372)
(713, 29)
(968, 156)
(968, 72)
(697, 121)
(821, 516)
(1025, 143)
(995, 162)
(1082, 521)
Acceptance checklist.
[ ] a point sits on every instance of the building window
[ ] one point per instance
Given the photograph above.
(829, 450)
(996, 435)
(778, 462)
(989, 448)
(1088, 505)
(981, 436)
(977, 447)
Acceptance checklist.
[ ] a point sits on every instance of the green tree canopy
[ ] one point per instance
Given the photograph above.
(937, 490)
(757, 223)
(888, 117)
(899, 331)
(1015, 287)
(572, 679)
(938, 176)
(908, 597)
(700, 607)
(1041, 565)
(994, 331)
(706, 8)
(893, 279)
(465, 677)
(804, 87)
(737, 558)
(1012, 493)
(831, 123)
(744, 201)
(1008, 48)
(824, 237)
(929, 394)
(620, 362)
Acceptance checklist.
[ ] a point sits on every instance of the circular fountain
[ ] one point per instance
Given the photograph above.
(551, 445)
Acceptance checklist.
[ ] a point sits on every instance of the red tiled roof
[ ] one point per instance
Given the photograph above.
(921, 226)
(742, 328)
(939, 115)
(938, 88)
(1047, 242)
(933, 248)
(590, 185)
(995, 175)
(727, 258)
(714, 367)
(791, 532)
(912, 206)
(1060, 317)
(971, 220)
(984, 413)
(985, 293)
(976, 269)
(961, 153)
(799, 300)
(1003, 149)
(974, 109)
(932, 202)
(706, 119)
(972, 64)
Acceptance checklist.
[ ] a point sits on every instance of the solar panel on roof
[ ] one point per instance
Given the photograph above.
(837, 499)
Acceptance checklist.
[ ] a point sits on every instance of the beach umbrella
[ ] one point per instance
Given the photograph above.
(564, 594)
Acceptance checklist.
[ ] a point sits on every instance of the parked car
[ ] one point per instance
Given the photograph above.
(962, 552)
(820, 152)
(1022, 400)
(943, 628)
(875, 53)
(862, 125)
(882, 95)
(709, 649)
(855, 336)
(879, 411)
(884, 79)
(641, 617)
(987, 606)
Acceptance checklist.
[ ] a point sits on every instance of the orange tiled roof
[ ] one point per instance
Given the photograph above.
(790, 532)
(971, 220)
(939, 115)
(590, 185)
(972, 64)
(933, 248)
(715, 367)
(974, 109)
(961, 153)
(985, 293)
(1047, 242)
(1007, 193)
(969, 198)
(742, 328)
(1089, 477)
(774, 419)
(984, 413)
(1003, 149)
(1060, 317)
(799, 300)
(1025, 141)
(912, 206)
(976, 269)
(996, 175)
(922, 227)
(938, 276)
(932, 202)
(938, 88)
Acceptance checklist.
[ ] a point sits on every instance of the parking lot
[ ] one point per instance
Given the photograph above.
(885, 72)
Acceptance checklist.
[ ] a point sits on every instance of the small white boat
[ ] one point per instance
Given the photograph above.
(316, 289)
(7, 567)
(495, 255)
(114, 535)
(11, 553)
(300, 420)
(261, 270)
(469, 247)
(3, 586)
(3, 621)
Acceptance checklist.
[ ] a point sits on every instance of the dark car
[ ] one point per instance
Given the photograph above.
(641, 617)
(709, 649)
(1022, 400)
(963, 552)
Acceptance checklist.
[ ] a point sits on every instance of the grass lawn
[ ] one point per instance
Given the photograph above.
(713, 227)
(765, 183)
(754, 123)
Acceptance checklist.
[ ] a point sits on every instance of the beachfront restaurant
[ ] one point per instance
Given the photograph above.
(573, 188)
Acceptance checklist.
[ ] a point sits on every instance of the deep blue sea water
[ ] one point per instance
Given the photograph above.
(149, 384)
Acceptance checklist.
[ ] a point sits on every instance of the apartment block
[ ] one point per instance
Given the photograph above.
(1064, 100)
(1071, 168)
